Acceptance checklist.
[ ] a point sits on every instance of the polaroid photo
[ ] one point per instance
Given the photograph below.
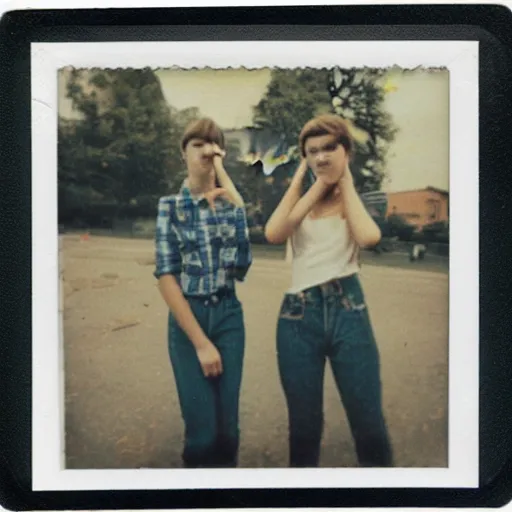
(109, 409)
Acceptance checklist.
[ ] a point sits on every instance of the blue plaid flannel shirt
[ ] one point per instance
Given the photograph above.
(205, 250)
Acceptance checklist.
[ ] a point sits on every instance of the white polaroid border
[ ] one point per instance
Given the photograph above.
(460, 57)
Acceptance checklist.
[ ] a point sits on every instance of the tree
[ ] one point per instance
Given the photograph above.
(179, 120)
(294, 96)
(120, 149)
(358, 95)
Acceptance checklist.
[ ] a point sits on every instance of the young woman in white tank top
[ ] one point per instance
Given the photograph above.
(324, 314)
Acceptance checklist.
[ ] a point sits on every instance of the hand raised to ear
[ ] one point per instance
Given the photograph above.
(346, 177)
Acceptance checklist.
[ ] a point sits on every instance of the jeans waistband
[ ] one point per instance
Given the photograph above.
(333, 288)
(213, 298)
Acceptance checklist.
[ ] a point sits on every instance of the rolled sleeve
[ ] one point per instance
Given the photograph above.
(167, 255)
(244, 254)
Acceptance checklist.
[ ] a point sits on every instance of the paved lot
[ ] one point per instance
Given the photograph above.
(121, 407)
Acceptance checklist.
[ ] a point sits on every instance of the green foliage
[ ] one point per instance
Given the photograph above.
(123, 150)
(243, 175)
(294, 96)
(358, 95)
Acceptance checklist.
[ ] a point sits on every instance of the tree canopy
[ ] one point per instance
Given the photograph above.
(118, 153)
(120, 150)
(294, 96)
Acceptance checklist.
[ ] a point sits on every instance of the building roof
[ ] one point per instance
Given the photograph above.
(440, 190)
(433, 189)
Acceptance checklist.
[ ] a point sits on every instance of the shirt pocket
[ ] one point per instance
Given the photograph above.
(228, 248)
(191, 250)
(214, 236)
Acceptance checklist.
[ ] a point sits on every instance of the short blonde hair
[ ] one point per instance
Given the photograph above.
(205, 129)
(327, 124)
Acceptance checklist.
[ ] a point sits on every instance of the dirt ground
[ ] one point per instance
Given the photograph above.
(121, 406)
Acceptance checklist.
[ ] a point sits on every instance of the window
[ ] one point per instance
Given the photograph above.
(433, 209)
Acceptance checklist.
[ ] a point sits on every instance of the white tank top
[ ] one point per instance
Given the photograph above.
(322, 249)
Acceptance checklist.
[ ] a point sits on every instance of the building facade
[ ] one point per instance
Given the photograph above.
(420, 207)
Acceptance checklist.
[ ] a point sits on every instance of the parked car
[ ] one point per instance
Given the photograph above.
(396, 226)
(436, 232)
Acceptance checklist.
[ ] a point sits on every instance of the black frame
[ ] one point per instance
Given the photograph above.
(491, 25)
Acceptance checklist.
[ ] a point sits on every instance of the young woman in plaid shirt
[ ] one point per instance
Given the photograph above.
(202, 248)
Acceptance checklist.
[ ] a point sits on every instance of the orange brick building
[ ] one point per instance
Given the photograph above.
(420, 207)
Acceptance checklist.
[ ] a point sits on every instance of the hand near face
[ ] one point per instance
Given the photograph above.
(201, 156)
(217, 151)
(303, 167)
(215, 193)
(330, 180)
(300, 172)
(346, 176)
(322, 186)
(327, 158)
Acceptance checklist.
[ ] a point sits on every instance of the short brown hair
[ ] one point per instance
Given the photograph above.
(327, 124)
(205, 129)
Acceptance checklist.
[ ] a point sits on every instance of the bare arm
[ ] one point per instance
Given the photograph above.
(363, 228)
(292, 208)
(207, 353)
(168, 264)
(302, 208)
(225, 181)
(180, 308)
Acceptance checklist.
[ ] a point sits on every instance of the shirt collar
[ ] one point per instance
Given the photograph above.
(197, 199)
(185, 192)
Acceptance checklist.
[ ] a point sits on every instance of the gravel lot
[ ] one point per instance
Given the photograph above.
(121, 408)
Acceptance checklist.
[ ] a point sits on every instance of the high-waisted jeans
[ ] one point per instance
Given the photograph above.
(209, 406)
(331, 321)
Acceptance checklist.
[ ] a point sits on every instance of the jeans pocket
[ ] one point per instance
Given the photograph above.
(293, 307)
(233, 303)
(351, 302)
(352, 297)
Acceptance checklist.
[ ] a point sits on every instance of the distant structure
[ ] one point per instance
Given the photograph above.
(420, 206)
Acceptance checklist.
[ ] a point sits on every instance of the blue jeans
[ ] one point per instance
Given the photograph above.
(209, 406)
(331, 321)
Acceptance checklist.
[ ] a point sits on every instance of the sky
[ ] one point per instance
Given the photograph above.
(419, 105)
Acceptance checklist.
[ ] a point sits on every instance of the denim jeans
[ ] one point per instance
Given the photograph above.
(331, 321)
(209, 406)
